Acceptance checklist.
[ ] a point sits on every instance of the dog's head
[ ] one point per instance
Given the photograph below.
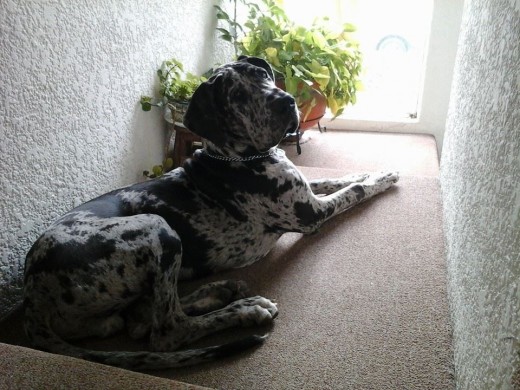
(240, 107)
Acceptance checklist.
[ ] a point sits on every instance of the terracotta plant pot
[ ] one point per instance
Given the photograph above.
(309, 116)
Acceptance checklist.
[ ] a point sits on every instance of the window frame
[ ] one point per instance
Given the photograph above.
(435, 93)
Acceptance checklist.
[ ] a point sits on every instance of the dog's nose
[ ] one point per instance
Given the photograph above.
(284, 103)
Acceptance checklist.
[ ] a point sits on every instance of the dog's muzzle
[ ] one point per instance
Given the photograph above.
(286, 105)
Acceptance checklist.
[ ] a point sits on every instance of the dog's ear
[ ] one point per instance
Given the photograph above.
(261, 63)
(202, 115)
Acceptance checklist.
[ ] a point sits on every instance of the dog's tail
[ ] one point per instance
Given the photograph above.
(146, 360)
(46, 339)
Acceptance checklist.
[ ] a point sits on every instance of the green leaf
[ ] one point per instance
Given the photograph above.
(226, 37)
(168, 164)
(319, 40)
(349, 27)
(250, 25)
(221, 14)
(157, 170)
(223, 31)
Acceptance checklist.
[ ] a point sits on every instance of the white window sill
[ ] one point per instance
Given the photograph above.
(346, 122)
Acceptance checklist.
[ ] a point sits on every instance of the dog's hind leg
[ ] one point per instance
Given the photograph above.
(171, 327)
(242, 313)
(213, 296)
(169, 323)
(83, 273)
(205, 299)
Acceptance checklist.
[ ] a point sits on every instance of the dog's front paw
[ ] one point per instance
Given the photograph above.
(389, 177)
(383, 180)
(255, 310)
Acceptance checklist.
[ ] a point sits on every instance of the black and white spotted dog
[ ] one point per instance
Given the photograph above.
(115, 261)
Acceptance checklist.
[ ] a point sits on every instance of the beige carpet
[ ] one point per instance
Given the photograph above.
(354, 151)
(363, 303)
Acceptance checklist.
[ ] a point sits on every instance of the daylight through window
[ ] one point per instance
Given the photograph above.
(393, 37)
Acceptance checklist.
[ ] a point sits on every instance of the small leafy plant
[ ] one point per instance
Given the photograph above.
(176, 85)
(176, 89)
(159, 170)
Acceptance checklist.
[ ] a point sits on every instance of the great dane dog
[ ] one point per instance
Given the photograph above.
(115, 261)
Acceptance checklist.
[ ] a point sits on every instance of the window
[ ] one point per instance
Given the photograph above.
(393, 37)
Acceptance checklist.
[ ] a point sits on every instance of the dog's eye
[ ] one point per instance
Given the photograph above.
(263, 74)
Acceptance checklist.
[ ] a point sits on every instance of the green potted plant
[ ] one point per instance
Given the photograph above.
(316, 64)
(175, 90)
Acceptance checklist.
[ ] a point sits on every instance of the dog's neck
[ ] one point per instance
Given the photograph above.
(243, 152)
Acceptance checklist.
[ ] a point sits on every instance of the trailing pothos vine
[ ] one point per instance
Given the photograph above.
(318, 57)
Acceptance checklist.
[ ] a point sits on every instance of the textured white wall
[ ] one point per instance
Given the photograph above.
(480, 172)
(71, 128)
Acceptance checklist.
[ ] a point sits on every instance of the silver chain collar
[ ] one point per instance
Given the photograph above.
(240, 159)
